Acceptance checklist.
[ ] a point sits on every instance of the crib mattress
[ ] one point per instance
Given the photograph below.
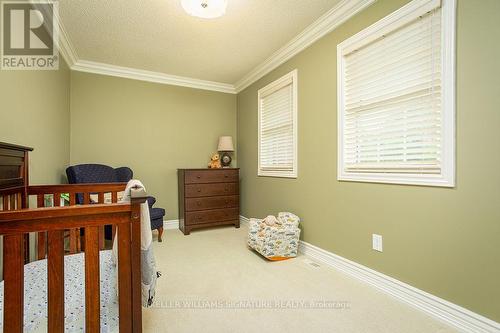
(35, 295)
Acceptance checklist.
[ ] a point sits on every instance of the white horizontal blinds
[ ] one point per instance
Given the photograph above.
(392, 117)
(276, 129)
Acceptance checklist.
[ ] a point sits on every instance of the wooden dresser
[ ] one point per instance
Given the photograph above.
(14, 181)
(208, 197)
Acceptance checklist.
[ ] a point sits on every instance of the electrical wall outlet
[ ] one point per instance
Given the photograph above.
(377, 242)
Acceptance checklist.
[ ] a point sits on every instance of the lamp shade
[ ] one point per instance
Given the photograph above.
(225, 143)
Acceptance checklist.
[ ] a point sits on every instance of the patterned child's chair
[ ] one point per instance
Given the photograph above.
(275, 239)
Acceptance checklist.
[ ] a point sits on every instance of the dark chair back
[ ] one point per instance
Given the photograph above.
(96, 173)
(124, 174)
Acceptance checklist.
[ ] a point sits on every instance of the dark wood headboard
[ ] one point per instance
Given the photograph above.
(14, 179)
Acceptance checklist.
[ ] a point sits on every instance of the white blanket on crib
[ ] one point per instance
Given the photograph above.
(148, 263)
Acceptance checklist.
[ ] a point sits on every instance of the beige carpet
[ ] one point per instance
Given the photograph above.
(212, 283)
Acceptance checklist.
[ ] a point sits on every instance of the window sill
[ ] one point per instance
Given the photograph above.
(277, 174)
(419, 180)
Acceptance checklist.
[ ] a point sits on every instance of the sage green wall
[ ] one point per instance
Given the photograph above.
(444, 241)
(152, 128)
(34, 111)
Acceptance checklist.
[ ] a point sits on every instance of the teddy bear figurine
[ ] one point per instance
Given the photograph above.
(214, 162)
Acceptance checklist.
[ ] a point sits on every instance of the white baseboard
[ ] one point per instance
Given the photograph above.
(243, 219)
(450, 313)
(455, 315)
(171, 224)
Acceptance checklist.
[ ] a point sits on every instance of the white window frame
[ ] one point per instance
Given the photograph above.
(395, 20)
(269, 89)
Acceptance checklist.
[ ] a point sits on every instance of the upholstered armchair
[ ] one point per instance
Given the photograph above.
(275, 238)
(156, 215)
(98, 173)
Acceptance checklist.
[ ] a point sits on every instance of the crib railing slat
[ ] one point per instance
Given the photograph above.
(57, 200)
(92, 290)
(39, 201)
(125, 278)
(72, 199)
(13, 258)
(78, 240)
(19, 201)
(74, 234)
(101, 238)
(12, 202)
(101, 228)
(114, 199)
(72, 240)
(5, 202)
(41, 236)
(86, 198)
(41, 248)
(55, 284)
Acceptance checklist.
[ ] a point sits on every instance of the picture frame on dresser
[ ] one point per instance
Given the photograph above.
(208, 198)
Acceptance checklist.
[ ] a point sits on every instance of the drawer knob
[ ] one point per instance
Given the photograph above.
(199, 190)
(198, 177)
(198, 203)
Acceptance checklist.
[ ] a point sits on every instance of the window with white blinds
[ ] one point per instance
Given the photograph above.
(278, 128)
(394, 114)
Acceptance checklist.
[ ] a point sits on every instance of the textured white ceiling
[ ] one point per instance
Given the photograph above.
(157, 35)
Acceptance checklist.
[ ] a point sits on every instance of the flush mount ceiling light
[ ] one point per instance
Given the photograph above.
(205, 8)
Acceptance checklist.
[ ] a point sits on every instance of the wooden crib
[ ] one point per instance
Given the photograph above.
(52, 225)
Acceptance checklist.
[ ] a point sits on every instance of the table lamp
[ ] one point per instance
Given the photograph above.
(225, 147)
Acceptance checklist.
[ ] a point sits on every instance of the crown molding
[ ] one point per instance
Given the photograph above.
(322, 26)
(156, 77)
(65, 46)
(69, 54)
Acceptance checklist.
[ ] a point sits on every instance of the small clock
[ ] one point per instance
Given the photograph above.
(225, 160)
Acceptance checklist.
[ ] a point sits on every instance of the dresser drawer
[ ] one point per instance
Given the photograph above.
(212, 202)
(207, 216)
(211, 176)
(206, 190)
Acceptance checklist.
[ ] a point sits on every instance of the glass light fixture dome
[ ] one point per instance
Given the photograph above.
(205, 8)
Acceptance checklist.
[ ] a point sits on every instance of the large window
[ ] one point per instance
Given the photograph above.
(278, 128)
(396, 98)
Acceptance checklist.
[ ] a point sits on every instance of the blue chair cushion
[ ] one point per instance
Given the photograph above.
(156, 213)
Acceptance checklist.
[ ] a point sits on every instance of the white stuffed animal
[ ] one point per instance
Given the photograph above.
(271, 220)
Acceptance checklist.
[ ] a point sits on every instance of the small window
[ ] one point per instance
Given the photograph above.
(278, 128)
(396, 112)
